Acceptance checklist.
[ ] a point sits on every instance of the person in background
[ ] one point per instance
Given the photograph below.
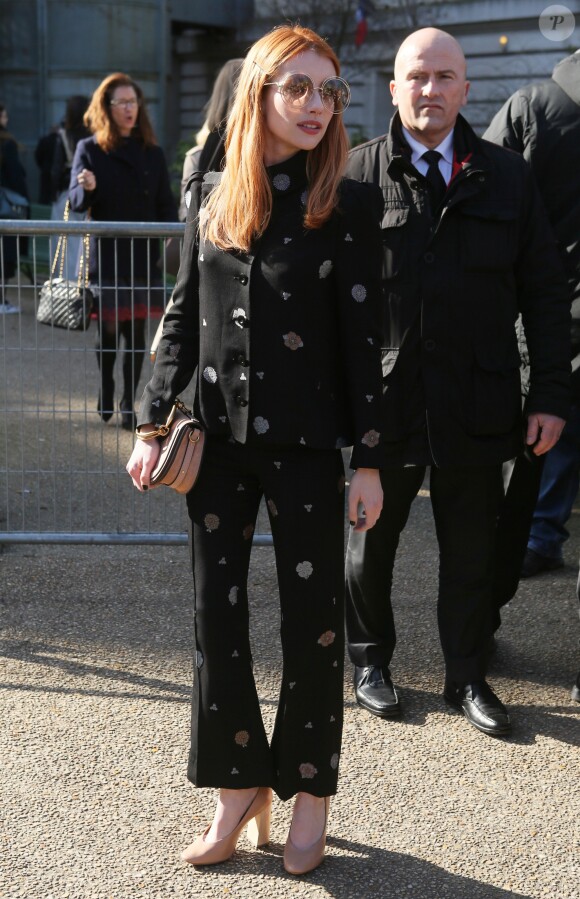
(54, 155)
(120, 175)
(13, 176)
(66, 139)
(208, 153)
(542, 122)
(43, 153)
(277, 317)
(206, 156)
(466, 248)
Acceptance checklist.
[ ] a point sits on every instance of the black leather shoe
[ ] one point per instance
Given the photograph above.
(375, 692)
(105, 406)
(534, 564)
(575, 694)
(480, 706)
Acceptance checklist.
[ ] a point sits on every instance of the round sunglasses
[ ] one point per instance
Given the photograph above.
(296, 89)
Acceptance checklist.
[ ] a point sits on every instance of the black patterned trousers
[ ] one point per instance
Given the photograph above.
(304, 490)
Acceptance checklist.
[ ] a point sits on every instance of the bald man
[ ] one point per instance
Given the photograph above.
(466, 248)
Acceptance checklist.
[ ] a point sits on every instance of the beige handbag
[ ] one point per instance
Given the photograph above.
(182, 444)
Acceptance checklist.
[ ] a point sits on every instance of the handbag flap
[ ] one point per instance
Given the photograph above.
(180, 455)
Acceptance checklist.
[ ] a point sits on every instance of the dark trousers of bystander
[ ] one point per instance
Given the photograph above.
(465, 501)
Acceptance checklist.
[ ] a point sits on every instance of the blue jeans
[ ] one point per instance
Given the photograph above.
(558, 489)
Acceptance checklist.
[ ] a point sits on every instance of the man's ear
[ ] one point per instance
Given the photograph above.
(467, 86)
(393, 88)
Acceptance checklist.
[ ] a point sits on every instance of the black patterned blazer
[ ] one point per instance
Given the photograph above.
(284, 342)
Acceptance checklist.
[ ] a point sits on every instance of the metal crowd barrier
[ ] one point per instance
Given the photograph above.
(62, 470)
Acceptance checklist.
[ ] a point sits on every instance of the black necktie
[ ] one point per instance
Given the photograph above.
(435, 180)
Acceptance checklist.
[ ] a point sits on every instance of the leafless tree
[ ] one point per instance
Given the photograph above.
(333, 19)
(412, 10)
(336, 19)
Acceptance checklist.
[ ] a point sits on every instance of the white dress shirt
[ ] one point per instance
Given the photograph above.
(445, 148)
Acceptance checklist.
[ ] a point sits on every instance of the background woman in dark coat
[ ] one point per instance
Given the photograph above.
(13, 176)
(120, 174)
(276, 315)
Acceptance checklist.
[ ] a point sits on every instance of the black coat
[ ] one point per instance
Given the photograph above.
(44, 156)
(283, 341)
(542, 122)
(453, 291)
(132, 186)
(13, 176)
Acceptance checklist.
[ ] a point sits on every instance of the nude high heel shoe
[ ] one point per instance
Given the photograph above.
(256, 816)
(301, 861)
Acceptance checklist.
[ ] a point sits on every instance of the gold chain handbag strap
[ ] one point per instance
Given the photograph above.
(61, 253)
(60, 247)
(163, 430)
(84, 263)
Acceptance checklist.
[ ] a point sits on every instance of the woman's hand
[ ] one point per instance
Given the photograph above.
(87, 180)
(143, 460)
(365, 491)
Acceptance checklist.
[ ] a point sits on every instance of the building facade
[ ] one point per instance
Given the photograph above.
(50, 49)
(507, 43)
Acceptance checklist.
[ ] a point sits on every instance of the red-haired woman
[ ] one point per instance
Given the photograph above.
(276, 316)
(121, 175)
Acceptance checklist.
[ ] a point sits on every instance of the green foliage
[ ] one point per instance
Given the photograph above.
(357, 136)
(176, 167)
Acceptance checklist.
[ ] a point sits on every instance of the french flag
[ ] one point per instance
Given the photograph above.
(363, 9)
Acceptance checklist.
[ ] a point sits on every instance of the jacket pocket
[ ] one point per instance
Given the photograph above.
(488, 236)
(393, 236)
(494, 403)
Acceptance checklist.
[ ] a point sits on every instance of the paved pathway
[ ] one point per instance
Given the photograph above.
(95, 679)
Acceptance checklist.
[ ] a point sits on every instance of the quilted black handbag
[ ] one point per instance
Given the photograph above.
(63, 303)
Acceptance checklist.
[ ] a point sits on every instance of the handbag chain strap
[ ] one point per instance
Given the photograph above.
(163, 430)
(61, 253)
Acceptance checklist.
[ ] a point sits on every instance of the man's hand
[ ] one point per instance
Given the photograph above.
(543, 432)
(365, 490)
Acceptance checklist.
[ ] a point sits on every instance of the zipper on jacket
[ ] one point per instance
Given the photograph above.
(459, 180)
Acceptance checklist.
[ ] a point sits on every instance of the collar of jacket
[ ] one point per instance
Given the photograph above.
(289, 177)
(468, 151)
(130, 150)
(286, 178)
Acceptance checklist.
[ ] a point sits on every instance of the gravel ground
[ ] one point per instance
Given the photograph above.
(95, 679)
